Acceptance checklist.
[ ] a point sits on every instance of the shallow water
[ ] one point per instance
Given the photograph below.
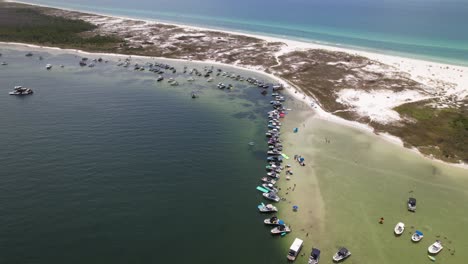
(360, 178)
(431, 30)
(105, 165)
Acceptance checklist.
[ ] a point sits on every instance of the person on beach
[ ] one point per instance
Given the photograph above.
(381, 221)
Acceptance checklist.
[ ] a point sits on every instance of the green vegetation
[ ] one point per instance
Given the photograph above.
(23, 24)
(439, 132)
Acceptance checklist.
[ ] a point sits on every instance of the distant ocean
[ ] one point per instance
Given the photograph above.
(425, 29)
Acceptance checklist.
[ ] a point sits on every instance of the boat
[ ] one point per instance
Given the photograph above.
(4, 63)
(435, 248)
(341, 254)
(272, 196)
(273, 221)
(209, 79)
(191, 79)
(174, 83)
(82, 63)
(160, 78)
(194, 95)
(270, 187)
(29, 54)
(399, 228)
(280, 229)
(20, 90)
(265, 179)
(412, 204)
(295, 249)
(314, 256)
(48, 66)
(269, 208)
(417, 236)
(431, 258)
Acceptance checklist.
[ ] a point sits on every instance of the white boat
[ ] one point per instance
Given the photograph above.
(399, 228)
(417, 236)
(435, 248)
(271, 196)
(209, 79)
(191, 79)
(270, 187)
(19, 90)
(295, 249)
(314, 256)
(4, 63)
(341, 254)
(267, 208)
(412, 204)
(272, 221)
(280, 229)
(48, 66)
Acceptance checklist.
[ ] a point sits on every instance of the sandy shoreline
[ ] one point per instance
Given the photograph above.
(294, 92)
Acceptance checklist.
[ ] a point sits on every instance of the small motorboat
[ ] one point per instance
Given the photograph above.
(160, 78)
(270, 187)
(399, 228)
(269, 208)
(271, 196)
(209, 79)
(20, 90)
(3, 63)
(280, 229)
(417, 236)
(273, 221)
(29, 54)
(412, 204)
(435, 248)
(314, 256)
(194, 95)
(341, 254)
(266, 180)
(48, 66)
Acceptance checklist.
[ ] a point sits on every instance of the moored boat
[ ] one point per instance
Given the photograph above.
(269, 208)
(417, 236)
(435, 248)
(412, 204)
(295, 249)
(399, 228)
(314, 256)
(48, 66)
(271, 196)
(20, 90)
(280, 229)
(273, 221)
(342, 254)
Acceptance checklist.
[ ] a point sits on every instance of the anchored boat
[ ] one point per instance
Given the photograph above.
(341, 254)
(314, 256)
(295, 249)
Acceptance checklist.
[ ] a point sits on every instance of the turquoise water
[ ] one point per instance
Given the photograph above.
(432, 30)
(105, 165)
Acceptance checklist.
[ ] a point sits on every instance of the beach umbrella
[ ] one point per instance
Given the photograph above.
(281, 222)
(296, 129)
(295, 207)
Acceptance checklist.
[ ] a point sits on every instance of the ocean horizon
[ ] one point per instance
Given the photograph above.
(398, 28)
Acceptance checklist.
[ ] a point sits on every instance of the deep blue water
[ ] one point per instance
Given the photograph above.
(429, 29)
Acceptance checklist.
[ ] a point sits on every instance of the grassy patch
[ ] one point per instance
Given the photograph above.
(23, 24)
(440, 132)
